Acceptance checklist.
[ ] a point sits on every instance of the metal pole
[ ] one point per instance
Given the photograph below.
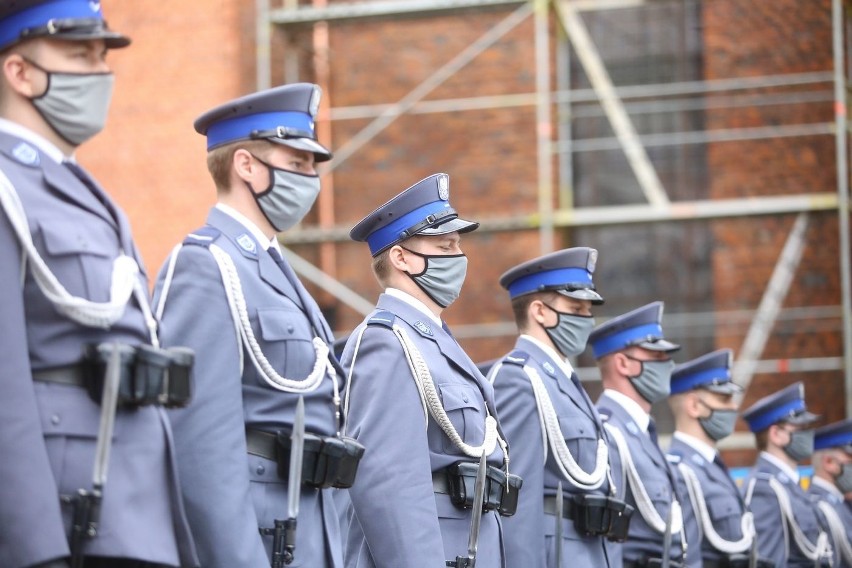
(837, 20)
(262, 45)
(564, 116)
(544, 125)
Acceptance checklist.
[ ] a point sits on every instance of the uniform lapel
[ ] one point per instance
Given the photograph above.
(60, 180)
(426, 327)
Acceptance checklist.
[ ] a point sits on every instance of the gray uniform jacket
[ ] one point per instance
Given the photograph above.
(721, 496)
(398, 519)
(768, 521)
(228, 493)
(654, 470)
(49, 430)
(530, 532)
(817, 493)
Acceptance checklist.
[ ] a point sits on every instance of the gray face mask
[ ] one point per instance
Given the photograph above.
(288, 198)
(801, 445)
(442, 276)
(720, 424)
(653, 382)
(75, 105)
(844, 480)
(570, 333)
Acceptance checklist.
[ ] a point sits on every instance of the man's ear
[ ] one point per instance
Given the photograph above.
(397, 259)
(19, 76)
(536, 312)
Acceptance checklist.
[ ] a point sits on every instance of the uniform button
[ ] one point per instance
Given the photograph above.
(261, 470)
(464, 398)
(55, 419)
(290, 329)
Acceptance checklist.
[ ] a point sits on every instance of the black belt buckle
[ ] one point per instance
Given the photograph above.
(177, 390)
(511, 491)
(591, 514)
(347, 465)
(620, 513)
(658, 562)
(313, 467)
(461, 480)
(95, 364)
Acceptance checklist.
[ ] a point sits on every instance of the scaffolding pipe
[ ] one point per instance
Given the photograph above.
(429, 84)
(837, 21)
(770, 304)
(564, 114)
(342, 11)
(543, 126)
(616, 214)
(620, 121)
(262, 47)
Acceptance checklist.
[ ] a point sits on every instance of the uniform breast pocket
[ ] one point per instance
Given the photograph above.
(81, 256)
(581, 438)
(726, 517)
(286, 341)
(465, 408)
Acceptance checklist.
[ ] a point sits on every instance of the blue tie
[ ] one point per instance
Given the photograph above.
(308, 305)
(652, 431)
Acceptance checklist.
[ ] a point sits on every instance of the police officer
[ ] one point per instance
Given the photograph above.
(787, 522)
(549, 419)
(634, 359)
(72, 278)
(832, 480)
(261, 342)
(416, 400)
(703, 405)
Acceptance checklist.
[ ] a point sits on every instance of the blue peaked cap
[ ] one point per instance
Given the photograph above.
(836, 435)
(568, 272)
(642, 327)
(21, 20)
(711, 371)
(786, 405)
(422, 209)
(282, 115)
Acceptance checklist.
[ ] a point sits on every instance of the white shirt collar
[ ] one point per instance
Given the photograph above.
(828, 486)
(250, 226)
(43, 144)
(561, 362)
(791, 472)
(413, 302)
(639, 416)
(705, 450)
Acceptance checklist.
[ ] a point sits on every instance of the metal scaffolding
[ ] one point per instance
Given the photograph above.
(619, 105)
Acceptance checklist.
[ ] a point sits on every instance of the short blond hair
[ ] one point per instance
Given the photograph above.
(220, 160)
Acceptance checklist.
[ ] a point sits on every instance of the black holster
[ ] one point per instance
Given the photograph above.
(326, 462)
(461, 482)
(149, 375)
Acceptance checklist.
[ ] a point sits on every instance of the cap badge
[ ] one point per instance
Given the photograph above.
(25, 154)
(593, 259)
(444, 188)
(313, 107)
(422, 328)
(247, 243)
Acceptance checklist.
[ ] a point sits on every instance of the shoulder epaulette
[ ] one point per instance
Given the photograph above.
(382, 317)
(517, 357)
(202, 237)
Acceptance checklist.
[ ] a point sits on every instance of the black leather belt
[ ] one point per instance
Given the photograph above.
(262, 444)
(739, 561)
(72, 375)
(650, 563)
(567, 507)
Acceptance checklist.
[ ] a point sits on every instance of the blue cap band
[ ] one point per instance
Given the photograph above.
(549, 278)
(833, 440)
(773, 415)
(37, 16)
(620, 340)
(689, 382)
(391, 233)
(241, 127)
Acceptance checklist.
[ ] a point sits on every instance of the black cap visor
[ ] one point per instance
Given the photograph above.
(77, 29)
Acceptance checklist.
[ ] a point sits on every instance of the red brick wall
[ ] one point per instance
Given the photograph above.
(185, 58)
